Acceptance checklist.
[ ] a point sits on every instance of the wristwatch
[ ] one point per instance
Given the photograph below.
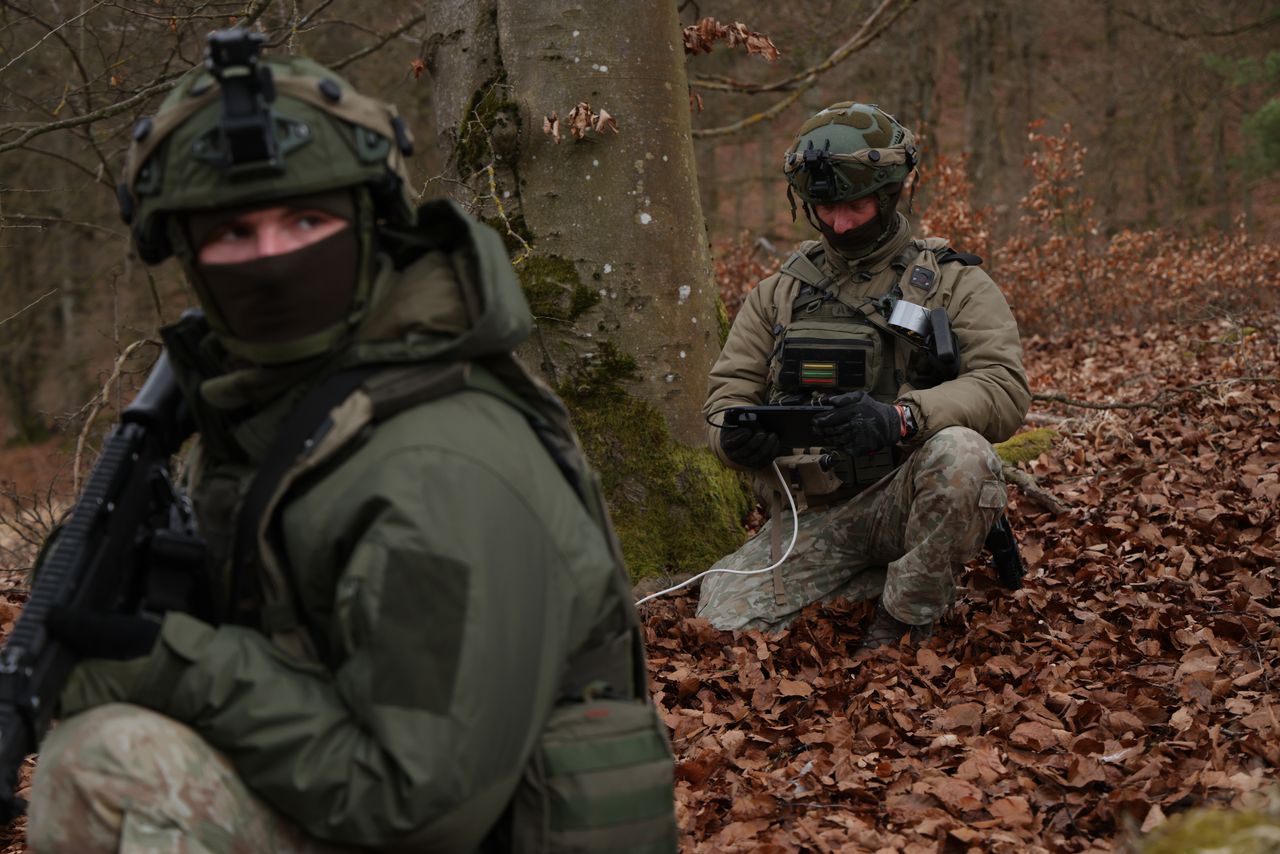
(908, 422)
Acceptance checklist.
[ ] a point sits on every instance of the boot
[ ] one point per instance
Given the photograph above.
(885, 629)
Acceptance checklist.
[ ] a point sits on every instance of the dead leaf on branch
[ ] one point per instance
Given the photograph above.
(702, 36)
(551, 126)
(581, 120)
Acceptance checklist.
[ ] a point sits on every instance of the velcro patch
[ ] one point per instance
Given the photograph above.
(922, 277)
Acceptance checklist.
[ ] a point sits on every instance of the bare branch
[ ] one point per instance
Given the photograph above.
(860, 39)
(100, 400)
(28, 307)
(1202, 34)
(1157, 402)
(97, 5)
(365, 51)
(159, 87)
(867, 33)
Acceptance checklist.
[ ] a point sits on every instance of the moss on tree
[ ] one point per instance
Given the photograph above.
(553, 288)
(1212, 831)
(486, 108)
(676, 508)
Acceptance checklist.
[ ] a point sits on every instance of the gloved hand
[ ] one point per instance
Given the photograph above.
(750, 446)
(114, 651)
(94, 634)
(859, 424)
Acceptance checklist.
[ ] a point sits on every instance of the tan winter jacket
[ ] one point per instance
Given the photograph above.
(991, 394)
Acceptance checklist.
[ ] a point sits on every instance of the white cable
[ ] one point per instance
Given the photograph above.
(795, 530)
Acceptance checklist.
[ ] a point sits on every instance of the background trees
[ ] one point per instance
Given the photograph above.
(1171, 104)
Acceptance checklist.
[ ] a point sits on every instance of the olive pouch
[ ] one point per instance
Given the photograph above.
(601, 779)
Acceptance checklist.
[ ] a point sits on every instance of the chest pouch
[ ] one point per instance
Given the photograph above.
(827, 355)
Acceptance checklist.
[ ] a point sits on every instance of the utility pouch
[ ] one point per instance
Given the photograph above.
(600, 779)
(828, 354)
(868, 468)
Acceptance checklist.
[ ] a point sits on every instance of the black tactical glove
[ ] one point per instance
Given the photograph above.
(93, 634)
(859, 424)
(750, 446)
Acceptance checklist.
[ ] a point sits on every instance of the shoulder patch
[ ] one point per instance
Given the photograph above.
(921, 277)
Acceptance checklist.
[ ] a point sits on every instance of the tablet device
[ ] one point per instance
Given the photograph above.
(793, 424)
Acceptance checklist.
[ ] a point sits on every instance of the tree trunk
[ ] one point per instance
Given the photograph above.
(608, 239)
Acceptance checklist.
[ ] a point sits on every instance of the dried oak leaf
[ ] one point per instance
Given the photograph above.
(604, 122)
(1013, 811)
(580, 120)
(551, 126)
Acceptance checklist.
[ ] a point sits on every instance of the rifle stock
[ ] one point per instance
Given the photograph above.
(97, 562)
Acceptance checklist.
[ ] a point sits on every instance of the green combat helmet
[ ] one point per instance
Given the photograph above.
(245, 130)
(845, 152)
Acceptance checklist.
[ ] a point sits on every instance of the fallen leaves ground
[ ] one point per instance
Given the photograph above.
(1134, 676)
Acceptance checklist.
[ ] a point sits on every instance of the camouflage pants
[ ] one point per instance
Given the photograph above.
(902, 539)
(123, 778)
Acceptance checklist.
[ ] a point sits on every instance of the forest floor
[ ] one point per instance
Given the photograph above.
(1131, 677)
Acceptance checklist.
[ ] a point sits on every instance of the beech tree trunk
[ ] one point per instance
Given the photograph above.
(607, 236)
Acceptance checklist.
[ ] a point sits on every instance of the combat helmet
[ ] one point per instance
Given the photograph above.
(246, 129)
(845, 152)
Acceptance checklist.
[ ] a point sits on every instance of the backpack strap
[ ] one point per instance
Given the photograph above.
(303, 425)
(948, 254)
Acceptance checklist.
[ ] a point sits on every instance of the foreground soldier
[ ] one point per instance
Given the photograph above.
(421, 637)
(907, 485)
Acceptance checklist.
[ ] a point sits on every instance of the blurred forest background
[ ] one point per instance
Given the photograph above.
(1165, 114)
(1117, 164)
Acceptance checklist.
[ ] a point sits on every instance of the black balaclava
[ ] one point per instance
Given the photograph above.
(287, 297)
(871, 235)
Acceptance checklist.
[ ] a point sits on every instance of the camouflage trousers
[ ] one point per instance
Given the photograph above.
(903, 539)
(123, 778)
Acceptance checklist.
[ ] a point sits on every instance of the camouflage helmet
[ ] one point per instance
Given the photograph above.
(848, 151)
(243, 130)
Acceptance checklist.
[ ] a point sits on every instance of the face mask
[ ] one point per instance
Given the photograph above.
(866, 238)
(855, 242)
(286, 297)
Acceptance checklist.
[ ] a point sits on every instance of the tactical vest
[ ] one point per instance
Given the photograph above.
(825, 344)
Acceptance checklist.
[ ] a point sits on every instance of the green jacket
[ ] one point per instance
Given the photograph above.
(422, 600)
(991, 394)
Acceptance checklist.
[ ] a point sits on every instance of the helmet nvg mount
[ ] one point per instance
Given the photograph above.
(245, 129)
(846, 152)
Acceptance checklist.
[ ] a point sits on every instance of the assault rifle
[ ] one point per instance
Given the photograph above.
(128, 546)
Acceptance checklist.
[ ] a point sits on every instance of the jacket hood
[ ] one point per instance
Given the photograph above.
(447, 292)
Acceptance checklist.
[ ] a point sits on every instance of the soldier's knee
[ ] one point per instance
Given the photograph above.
(961, 451)
(91, 767)
(105, 739)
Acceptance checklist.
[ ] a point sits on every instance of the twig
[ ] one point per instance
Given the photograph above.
(806, 79)
(1032, 489)
(841, 53)
(100, 400)
(164, 85)
(29, 306)
(50, 33)
(1155, 402)
(365, 51)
